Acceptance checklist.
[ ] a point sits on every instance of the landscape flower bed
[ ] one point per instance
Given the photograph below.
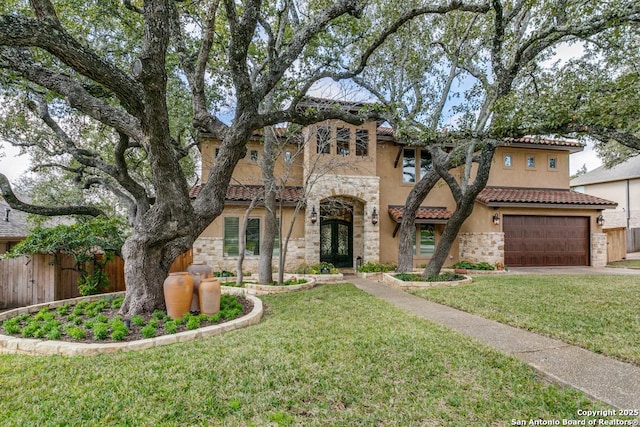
(407, 281)
(98, 321)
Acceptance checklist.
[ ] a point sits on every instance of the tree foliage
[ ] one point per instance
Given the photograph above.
(92, 244)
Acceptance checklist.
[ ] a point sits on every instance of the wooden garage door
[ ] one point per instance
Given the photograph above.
(545, 240)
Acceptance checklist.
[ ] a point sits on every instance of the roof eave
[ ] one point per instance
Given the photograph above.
(547, 205)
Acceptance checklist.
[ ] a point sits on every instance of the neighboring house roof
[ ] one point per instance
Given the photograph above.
(246, 193)
(17, 227)
(425, 214)
(626, 170)
(541, 197)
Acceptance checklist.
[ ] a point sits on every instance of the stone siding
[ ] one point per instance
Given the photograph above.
(208, 250)
(598, 250)
(482, 247)
(364, 191)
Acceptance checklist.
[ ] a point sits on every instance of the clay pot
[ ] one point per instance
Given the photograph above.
(198, 272)
(209, 294)
(178, 292)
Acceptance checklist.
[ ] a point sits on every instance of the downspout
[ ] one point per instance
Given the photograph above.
(628, 208)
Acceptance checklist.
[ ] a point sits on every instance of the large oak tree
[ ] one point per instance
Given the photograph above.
(153, 76)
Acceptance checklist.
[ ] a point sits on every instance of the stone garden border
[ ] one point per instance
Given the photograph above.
(391, 281)
(31, 346)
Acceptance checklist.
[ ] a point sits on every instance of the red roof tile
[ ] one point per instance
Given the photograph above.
(246, 193)
(425, 214)
(500, 196)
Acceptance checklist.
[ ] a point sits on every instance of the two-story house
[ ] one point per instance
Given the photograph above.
(354, 181)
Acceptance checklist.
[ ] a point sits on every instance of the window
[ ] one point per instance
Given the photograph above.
(426, 240)
(323, 141)
(252, 246)
(342, 141)
(231, 242)
(276, 240)
(425, 163)
(410, 173)
(409, 165)
(531, 162)
(288, 156)
(217, 151)
(508, 161)
(553, 162)
(362, 142)
(254, 155)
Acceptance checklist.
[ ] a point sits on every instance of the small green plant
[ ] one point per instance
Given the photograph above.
(137, 320)
(158, 314)
(193, 323)
(100, 330)
(444, 277)
(321, 268)
(148, 331)
(76, 332)
(63, 310)
(153, 322)
(11, 326)
(376, 267)
(473, 265)
(119, 334)
(171, 327)
(223, 273)
(117, 303)
(54, 334)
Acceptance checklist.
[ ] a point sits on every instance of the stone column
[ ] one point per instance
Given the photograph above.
(598, 249)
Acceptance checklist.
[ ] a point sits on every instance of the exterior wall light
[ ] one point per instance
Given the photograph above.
(600, 220)
(314, 215)
(374, 216)
(496, 219)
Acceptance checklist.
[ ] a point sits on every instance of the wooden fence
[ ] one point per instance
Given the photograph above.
(616, 244)
(41, 278)
(633, 240)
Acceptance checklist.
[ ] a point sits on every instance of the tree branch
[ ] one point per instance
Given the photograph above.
(13, 201)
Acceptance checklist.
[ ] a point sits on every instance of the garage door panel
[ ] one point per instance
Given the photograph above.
(546, 240)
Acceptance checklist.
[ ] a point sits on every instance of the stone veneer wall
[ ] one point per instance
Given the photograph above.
(479, 247)
(598, 249)
(365, 190)
(208, 250)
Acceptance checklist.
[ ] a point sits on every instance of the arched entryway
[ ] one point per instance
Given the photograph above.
(336, 232)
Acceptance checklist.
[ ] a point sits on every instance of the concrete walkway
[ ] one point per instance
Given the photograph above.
(600, 377)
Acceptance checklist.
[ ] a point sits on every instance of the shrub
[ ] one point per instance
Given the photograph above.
(137, 320)
(63, 310)
(321, 268)
(193, 323)
(473, 266)
(54, 334)
(148, 331)
(376, 267)
(76, 332)
(223, 273)
(11, 326)
(171, 327)
(117, 303)
(119, 334)
(100, 330)
(158, 314)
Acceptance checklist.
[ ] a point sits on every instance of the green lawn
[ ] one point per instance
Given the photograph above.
(329, 356)
(600, 313)
(625, 263)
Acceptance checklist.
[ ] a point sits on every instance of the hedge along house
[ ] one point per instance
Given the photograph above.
(352, 182)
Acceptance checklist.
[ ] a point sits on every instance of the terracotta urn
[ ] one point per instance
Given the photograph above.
(178, 293)
(198, 272)
(209, 295)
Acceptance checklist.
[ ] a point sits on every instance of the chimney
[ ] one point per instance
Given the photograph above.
(6, 214)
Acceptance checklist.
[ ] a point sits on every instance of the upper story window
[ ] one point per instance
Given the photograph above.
(323, 140)
(411, 173)
(343, 135)
(531, 162)
(553, 163)
(409, 165)
(362, 142)
(508, 160)
(254, 155)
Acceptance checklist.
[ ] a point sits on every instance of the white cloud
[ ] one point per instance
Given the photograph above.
(13, 164)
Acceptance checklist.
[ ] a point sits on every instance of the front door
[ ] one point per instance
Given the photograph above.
(336, 242)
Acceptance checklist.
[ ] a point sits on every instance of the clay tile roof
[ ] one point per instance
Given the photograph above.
(534, 140)
(425, 214)
(504, 196)
(246, 193)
